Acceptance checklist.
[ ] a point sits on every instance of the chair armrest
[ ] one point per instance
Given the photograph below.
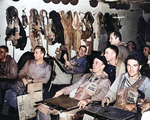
(31, 87)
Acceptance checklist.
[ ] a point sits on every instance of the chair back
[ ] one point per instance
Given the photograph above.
(46, 87)
(24, 58)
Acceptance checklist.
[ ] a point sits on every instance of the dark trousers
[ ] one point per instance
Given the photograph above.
(5, 84)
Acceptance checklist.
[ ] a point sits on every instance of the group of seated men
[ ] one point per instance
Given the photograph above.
(108, 79)
(124, 90)
(36, 70)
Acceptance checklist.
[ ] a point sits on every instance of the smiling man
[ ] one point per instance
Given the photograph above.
(76, 66)
(126, 90)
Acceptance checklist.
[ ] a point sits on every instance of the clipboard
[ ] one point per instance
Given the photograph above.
(62, 103)
(109, 112)
(60, 66)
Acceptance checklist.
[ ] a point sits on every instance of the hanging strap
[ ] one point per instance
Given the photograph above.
(138, 83)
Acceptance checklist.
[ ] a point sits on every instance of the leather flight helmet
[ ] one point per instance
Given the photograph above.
(74, 2)
(46, 1)
(65, 2)
(56, 1)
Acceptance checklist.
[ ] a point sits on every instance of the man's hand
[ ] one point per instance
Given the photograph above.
(44, 109)
(144, 107)
(3, 76)
(55, 112)
(65, 57)
(130, 107)
(68, 64)
(82, 104)
(60, 92)
(29, 80)
(91, 70)
(105, 100)
(25, 82)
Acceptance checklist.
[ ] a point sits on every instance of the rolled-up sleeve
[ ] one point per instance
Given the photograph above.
(113, 90)
(69, 89)
(22, 73)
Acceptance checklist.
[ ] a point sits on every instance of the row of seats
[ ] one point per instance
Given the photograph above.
(54, 88)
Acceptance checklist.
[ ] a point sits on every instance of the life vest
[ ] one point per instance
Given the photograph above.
(128, 95)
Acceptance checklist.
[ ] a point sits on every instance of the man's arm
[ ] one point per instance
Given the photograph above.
(13, 70)
(145, 106)
(145, 88)
(46, 110)
(23, 71)
(69, 89)
(83, 103)
(111, 95)
(82, 65)
(69, 64)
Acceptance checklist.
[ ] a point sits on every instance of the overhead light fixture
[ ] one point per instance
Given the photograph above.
(93, 3)
(15, 0)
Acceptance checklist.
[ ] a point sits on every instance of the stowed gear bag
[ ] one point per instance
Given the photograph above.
(15, 31)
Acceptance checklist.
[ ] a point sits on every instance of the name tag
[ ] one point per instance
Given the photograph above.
(92, 88)
(132, 96)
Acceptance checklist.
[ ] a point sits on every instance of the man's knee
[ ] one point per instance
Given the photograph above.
(87, 117)
(41, 116)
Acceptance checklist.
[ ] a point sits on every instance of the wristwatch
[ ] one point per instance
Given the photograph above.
(31, 79)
